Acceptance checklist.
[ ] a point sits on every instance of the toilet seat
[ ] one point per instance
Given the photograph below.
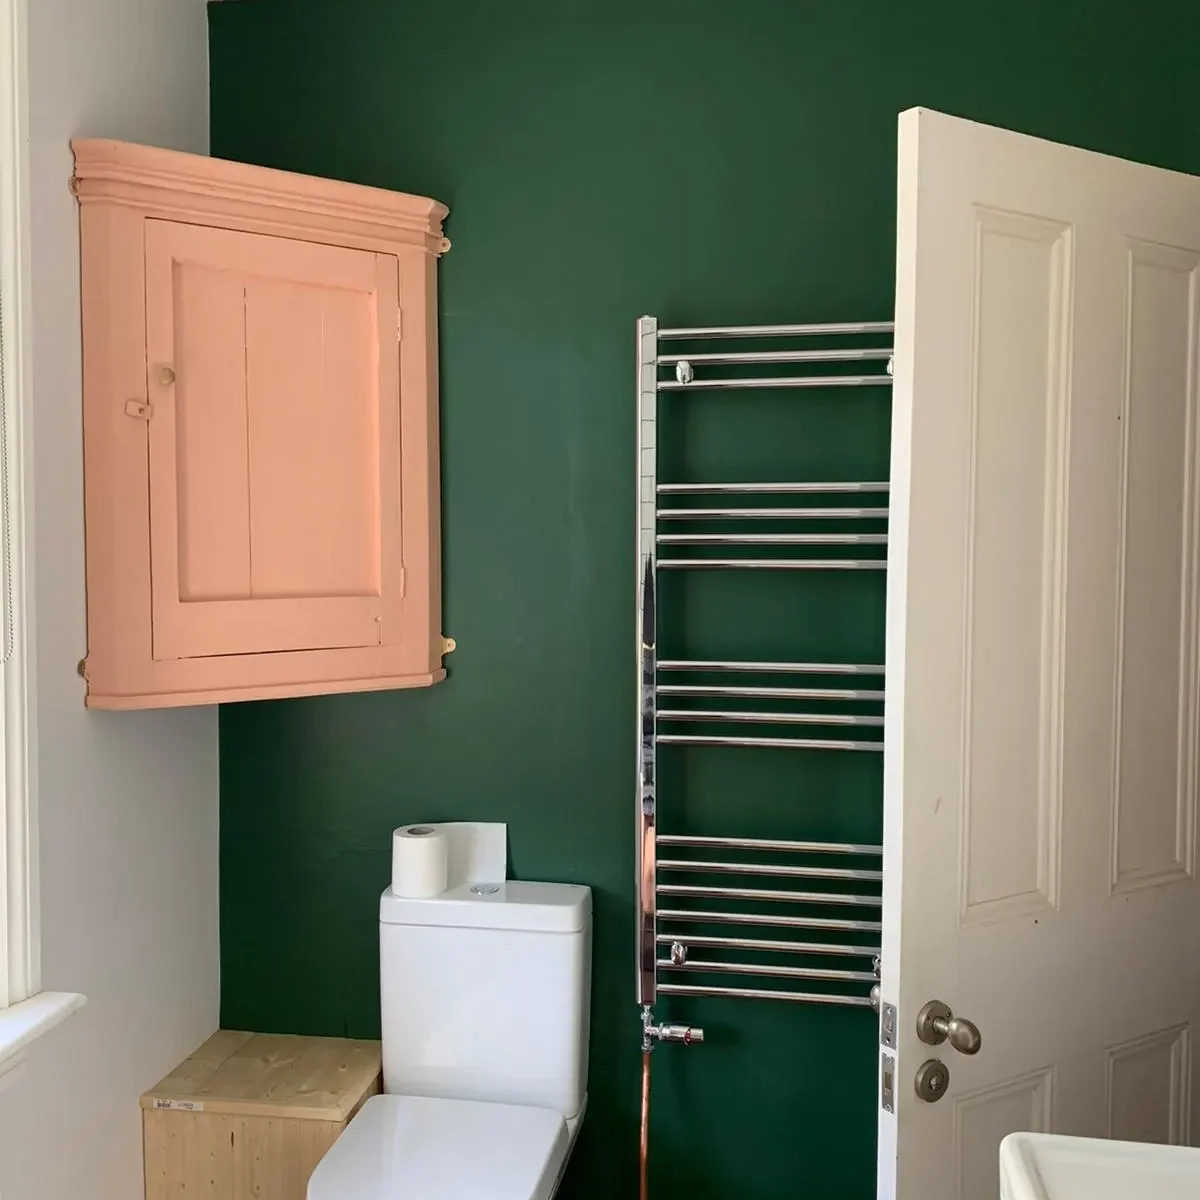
(426, 1148)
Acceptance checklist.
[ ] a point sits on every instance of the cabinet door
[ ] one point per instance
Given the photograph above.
(273, 375)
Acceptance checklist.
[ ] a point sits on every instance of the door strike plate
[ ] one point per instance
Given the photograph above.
(887, 1026)
(887, 1083)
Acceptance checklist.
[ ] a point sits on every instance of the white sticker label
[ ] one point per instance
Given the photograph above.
(181, 1105)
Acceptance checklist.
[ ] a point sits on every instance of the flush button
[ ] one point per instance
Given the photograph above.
(484, 889)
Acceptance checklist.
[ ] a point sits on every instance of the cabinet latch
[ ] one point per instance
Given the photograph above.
(139, 408)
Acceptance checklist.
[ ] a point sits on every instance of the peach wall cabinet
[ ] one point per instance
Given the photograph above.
(260, 431)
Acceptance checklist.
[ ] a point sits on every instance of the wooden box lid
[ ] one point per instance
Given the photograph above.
(271, 1075)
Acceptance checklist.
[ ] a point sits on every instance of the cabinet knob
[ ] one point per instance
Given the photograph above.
(166, 376)
(449, 645)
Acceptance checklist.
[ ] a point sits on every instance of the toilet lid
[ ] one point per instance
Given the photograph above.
(422, 1148)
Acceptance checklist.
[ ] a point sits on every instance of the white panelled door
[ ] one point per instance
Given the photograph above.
(1042, 717)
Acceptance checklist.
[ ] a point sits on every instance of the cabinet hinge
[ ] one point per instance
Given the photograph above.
(399, 324)
(139, 408)
(403, 581)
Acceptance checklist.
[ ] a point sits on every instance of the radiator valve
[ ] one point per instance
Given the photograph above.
(652, 1034)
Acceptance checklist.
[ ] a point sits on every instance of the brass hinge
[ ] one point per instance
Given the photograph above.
(399, 324)
(139, 408)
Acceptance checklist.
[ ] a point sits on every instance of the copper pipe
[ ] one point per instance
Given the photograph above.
(644, 1146)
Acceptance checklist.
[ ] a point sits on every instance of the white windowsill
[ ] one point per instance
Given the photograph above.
(24, 1023)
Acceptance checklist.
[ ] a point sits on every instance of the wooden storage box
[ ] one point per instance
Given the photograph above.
(249, 1115)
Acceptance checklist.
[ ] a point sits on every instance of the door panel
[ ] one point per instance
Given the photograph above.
(273, 375)
(1148, 1087)
(984, 1117)
(1040, 737)
(1155, 794)
(1017, 411)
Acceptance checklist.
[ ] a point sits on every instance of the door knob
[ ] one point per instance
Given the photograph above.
(937, 1024)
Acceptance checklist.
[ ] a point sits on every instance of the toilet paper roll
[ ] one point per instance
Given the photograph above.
(419, 857)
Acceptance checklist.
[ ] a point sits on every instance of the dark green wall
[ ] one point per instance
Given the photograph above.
(706, 161)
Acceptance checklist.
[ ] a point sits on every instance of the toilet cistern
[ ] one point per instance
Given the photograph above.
(485, 1005)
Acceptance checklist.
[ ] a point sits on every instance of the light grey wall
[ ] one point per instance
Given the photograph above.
(128, 801)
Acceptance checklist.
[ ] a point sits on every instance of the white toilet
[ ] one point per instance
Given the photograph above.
(485, 1006)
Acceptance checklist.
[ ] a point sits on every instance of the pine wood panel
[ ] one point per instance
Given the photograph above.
(221, 1156)
(248, 1116)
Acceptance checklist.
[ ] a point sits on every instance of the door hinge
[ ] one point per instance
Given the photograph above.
(139, 408)
(399, 324)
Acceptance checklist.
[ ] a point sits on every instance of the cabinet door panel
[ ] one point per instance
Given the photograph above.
(273, 381)
(314, 443)
(210, 419)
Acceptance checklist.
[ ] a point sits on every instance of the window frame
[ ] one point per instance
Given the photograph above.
(20, 957)
(26, 1012)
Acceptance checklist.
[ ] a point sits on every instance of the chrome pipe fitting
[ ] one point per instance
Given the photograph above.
(688, 1035)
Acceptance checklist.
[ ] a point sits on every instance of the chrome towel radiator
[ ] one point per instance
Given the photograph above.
(797, 921)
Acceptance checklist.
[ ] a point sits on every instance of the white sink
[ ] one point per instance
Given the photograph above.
(1044, 1166)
